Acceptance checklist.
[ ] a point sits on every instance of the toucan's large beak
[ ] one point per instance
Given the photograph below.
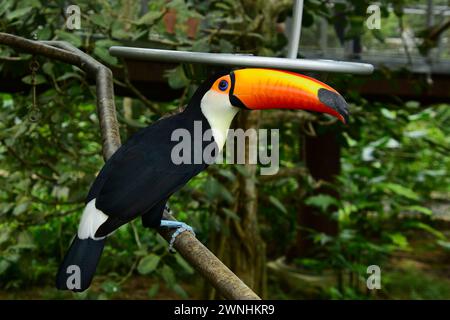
(274, 89)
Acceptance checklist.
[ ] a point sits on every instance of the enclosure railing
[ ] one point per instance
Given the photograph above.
(400, 47)
(203, 260)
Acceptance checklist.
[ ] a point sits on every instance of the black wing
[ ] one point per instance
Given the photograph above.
(141, 173)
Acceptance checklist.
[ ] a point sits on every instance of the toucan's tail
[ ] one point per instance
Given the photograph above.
(78, 268)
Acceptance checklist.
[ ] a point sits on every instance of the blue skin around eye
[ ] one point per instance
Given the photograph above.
(223, 85)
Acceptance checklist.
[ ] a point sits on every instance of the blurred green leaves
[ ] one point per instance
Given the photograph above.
(322, 201)
(70, 37)
(394, 155)
(397, 189)
(148, 264)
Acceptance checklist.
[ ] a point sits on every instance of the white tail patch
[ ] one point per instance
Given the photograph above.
(91, 220)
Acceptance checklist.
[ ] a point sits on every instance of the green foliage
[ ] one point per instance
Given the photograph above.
(321, 201)
(417, 284)
(148, 264)
(47, 167)
(394, 155)
(385, 187)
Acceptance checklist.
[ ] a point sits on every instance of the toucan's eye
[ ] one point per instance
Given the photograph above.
(223, 85)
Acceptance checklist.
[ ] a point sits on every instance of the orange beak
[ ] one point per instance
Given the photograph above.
(259, 89)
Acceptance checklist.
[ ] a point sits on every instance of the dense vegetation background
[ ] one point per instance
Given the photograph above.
(387, 205)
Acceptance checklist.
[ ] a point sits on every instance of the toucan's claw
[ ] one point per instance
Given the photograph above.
(180, 226)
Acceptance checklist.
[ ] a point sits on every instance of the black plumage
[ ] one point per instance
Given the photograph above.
(137, 181)
(139, 178)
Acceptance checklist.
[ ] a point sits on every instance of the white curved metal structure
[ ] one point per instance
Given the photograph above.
(239, 60)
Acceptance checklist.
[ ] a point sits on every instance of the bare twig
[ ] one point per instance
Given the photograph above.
(56, 203)
(11, 59)
(35, 47)
(45, 218)
(27, 164)
(234, 33)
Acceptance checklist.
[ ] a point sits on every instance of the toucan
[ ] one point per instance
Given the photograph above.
(140, 176)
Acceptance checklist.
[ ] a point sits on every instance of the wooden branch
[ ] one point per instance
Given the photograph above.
(209, 266)
(435, 31)
(35, 47)
(239, 33)
(44, 219)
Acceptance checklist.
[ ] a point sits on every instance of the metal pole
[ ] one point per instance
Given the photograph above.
(430, 21)
(430, 13)
(323, 36)
(236, 60)
(296, 29)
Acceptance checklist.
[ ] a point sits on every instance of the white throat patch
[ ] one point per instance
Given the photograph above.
(219, 112)
(91, 220)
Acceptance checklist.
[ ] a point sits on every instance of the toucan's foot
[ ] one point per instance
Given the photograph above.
(180, 226)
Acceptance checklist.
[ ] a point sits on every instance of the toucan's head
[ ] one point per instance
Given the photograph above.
(261, 89)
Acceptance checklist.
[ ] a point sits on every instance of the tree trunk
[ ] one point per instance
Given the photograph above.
(239, 244)
(321, 156)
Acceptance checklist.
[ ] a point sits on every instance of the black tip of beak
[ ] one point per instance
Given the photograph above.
(334, 101)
